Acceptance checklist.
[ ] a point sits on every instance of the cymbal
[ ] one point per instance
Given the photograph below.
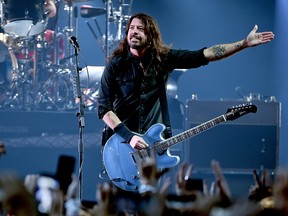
(88, 11)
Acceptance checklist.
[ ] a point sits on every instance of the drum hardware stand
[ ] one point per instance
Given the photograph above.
(99, 29)
(118, 17)
(109, 16)
(95, 36)
(121, 20)
(14, 83)
(54, 93)
(21, 93)
(1, 11)
(70, 28)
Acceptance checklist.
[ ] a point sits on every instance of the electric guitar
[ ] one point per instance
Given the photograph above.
(120, 159)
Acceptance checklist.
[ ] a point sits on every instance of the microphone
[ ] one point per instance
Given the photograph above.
(74, 42)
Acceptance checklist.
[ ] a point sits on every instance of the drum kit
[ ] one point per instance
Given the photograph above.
(40, 77)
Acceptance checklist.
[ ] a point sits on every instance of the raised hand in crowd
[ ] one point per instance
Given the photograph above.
(260, 189)
(280, 191)
(221, 186)
(153, 195)
(105, 194)
(203, 201)
(48, 197)
(15, 199)
(149, 173)
(182, 178)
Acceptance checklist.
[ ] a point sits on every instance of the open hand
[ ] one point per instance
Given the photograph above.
(255, 38)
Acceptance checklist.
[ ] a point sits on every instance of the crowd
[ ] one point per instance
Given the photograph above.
(42, 195)
(262, 198)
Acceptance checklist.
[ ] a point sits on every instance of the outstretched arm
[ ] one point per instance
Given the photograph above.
(222, 51)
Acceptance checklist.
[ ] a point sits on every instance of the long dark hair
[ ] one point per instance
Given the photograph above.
(152, 32)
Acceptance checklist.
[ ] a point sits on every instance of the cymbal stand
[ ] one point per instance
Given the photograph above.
(1, 11)
(56, 37)
(21, 88)
(123, 18)
(13, 94)
(98, 27)
(108, 42)
(68, 31)
(100, 42)
(109, 17)
(119, 17)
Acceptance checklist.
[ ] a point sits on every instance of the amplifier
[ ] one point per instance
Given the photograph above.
(248, 142)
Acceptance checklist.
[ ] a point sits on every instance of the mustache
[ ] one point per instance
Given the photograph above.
(135, 36)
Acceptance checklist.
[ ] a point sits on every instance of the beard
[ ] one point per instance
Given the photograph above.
(137, 44)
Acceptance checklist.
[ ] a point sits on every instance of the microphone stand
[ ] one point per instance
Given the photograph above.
(80, 115)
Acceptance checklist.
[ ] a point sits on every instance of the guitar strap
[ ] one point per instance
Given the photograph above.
(164, 106)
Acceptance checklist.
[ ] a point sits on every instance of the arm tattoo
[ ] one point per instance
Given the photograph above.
(238, 46)
(219, 51)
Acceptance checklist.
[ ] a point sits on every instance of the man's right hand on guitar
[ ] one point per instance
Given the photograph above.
(138, 143)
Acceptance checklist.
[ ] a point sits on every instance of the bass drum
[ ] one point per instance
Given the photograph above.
(23, 18)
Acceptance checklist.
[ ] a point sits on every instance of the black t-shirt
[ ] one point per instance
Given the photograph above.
(134, 97)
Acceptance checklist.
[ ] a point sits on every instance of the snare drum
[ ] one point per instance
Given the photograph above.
(23, 18)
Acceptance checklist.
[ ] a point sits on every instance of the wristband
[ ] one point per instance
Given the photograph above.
(123, 131)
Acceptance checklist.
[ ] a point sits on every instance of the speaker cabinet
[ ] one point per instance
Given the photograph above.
(248, 142)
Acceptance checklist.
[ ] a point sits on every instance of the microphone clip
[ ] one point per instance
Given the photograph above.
(74, 42)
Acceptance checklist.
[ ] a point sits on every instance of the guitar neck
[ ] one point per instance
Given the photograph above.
(165, 144)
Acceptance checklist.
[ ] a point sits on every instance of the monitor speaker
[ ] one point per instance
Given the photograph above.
(249, 142)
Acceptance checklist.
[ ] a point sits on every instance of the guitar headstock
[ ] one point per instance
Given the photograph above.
(240, 110)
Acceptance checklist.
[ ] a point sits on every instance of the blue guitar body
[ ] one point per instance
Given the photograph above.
(120, 158)
(120, 164)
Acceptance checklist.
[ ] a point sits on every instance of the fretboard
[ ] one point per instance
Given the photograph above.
(165, 144)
